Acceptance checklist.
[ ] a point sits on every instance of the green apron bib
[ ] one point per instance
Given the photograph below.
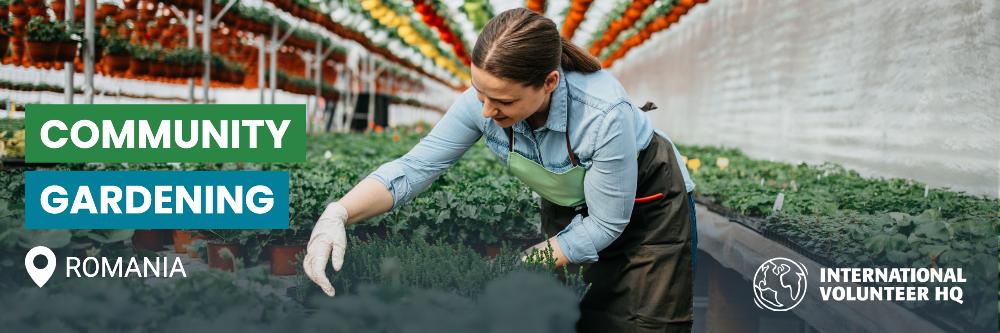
(564, 189)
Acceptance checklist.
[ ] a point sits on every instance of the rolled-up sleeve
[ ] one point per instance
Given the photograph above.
(411, 174)
(609, 189)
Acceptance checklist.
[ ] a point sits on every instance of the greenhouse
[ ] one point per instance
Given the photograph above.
(502, 166)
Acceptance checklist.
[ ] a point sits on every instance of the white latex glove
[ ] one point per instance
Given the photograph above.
(328, 242)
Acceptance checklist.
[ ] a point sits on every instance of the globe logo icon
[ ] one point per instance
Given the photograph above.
(779, 284)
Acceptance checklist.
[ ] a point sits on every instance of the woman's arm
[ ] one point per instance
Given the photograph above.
(392, 184)
(557, 253)
(367, 199)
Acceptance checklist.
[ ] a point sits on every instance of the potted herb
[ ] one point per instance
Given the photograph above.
(50, 41)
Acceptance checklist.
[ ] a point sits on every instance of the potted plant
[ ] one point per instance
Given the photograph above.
(287, 245)
(149, 240)
(182, 238)
(116, 54)
(228, 249)
(50, 41)
(155, 59)
(139, 63)
(197, 247)
(182, 61)
(98, 42)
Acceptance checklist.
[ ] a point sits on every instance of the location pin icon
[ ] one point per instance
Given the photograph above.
(40, 275)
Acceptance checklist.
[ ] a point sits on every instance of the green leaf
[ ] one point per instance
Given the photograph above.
(50, 238)
(878, 243)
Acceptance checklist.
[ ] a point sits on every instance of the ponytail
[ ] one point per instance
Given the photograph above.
(575, 59)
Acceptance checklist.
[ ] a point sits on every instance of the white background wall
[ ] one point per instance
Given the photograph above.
(889, 88)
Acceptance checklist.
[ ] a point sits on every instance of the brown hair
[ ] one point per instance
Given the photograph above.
(524, 46)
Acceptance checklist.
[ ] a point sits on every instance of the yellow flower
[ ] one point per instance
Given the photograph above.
(386, 18)
(407, 34)
(426, 49)
(722, 162)
(394, 22)
(377, 13)
(369, 4)
(694, 164)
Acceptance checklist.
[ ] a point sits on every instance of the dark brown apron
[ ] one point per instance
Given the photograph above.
(643, 281)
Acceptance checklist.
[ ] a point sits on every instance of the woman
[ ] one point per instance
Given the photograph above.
(613, 193)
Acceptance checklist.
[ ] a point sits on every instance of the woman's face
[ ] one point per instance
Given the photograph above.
(508, 102)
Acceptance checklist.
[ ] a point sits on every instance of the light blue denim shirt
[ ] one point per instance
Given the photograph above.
(607, 132)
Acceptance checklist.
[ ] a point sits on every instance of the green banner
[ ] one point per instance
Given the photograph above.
(165, 133)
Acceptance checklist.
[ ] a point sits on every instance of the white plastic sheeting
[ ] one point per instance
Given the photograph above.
(407, 115)
(108, 85)
(895, 88)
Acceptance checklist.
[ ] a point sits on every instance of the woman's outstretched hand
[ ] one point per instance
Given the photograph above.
(328, 242)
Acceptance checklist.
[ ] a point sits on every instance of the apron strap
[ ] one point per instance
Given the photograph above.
(569, 148)
(510, 138)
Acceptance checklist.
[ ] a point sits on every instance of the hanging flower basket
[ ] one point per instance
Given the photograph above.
(67, 51)
(49, 41)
